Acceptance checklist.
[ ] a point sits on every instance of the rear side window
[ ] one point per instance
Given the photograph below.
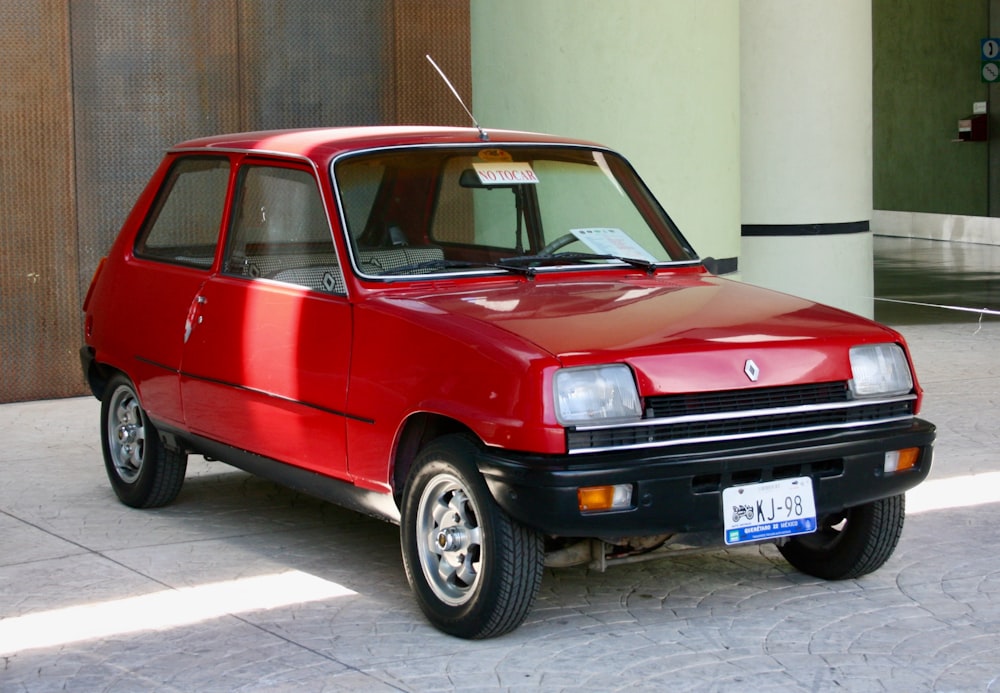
(183, 226)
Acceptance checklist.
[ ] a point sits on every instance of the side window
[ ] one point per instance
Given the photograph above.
(280, 230)
(183, 226)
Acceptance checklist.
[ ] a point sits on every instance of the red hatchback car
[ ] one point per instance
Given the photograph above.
(499, 341)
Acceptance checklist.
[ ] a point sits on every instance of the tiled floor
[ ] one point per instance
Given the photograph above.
(241, 585)
(911, 275)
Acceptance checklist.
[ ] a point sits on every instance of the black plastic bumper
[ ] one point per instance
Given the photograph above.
(680, 489)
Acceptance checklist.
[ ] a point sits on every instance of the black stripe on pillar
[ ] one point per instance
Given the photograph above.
(804, 229)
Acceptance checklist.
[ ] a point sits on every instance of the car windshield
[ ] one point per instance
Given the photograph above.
(445, 210)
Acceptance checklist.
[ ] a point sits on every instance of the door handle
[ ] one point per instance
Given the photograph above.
(194, 316)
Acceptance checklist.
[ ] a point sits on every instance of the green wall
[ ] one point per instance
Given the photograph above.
(925, 78)
(658, 81)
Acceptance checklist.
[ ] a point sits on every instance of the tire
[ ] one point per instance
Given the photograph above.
(850, 544)
(143, 473)
(475, 571)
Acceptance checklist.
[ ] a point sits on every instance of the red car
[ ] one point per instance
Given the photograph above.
(499, 341)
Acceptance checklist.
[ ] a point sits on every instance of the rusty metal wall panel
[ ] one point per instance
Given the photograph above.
(440, 29)
(93, 92)
(39, 311)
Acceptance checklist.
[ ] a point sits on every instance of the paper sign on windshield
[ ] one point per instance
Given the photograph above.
(612, 242)
(505, 173)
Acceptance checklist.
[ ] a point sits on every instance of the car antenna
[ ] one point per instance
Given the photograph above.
(482, 133)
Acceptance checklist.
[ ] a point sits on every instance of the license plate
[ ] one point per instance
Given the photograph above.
(772, 509)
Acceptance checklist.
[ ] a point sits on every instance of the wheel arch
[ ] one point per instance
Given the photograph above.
(416, 433)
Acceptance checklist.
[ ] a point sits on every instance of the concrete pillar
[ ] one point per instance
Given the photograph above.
(806, 151)
(658, 81)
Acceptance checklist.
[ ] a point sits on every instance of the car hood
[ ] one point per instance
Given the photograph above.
(684, 333)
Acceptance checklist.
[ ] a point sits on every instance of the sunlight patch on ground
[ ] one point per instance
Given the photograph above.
(954, 492)
(165, 609)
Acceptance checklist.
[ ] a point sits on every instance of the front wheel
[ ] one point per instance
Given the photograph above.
(849, 544)
(143, 473)
(474, 570)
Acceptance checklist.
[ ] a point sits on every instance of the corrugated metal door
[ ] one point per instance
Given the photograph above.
(93, 91)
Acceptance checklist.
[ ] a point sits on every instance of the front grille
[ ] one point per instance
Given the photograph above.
(743, 400)
(733, 414)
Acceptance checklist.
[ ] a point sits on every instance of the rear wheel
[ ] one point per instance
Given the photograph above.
(143, 473)
(849, 544)
(474, 570)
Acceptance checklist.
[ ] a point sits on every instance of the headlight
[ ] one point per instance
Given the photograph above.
(602, 394)
(880, 369)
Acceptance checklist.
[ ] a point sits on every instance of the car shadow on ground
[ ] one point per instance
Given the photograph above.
(240, 524)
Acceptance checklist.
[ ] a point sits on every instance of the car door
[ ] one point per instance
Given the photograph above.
(265, 368)
(172, 257)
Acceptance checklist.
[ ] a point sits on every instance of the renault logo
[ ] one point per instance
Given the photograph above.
(751, 369)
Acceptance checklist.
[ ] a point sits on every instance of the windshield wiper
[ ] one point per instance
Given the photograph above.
(444, 264)
(429, 265)
(522, 260)
(520, 264)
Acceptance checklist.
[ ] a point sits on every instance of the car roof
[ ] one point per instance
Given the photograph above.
(323, 144)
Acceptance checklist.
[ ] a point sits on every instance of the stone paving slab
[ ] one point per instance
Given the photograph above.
(728, 620)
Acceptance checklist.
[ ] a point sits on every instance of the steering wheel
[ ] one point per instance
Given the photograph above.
(556, 244)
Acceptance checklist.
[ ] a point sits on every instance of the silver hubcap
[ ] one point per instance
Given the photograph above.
(126, 434)
(449, 540)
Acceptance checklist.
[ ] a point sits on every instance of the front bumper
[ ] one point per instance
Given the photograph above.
(679, 489)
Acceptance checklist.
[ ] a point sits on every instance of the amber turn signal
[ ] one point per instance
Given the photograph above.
(901, 460)
(597, 498)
